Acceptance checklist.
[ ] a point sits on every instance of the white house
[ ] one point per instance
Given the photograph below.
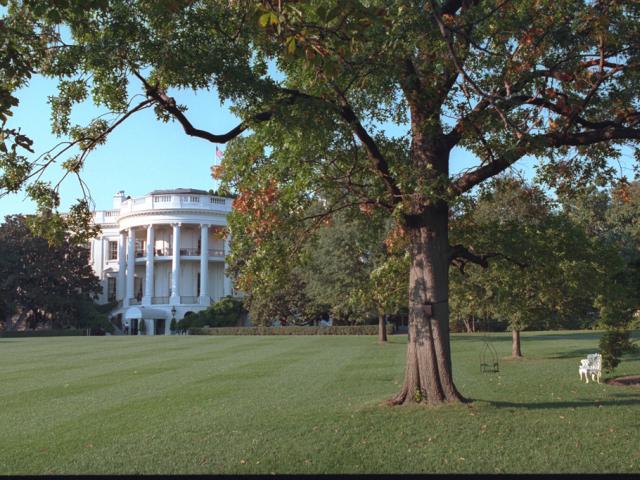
(161, 256)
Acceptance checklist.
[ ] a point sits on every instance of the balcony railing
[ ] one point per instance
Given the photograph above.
(159, 300)
(184, 252)
(188, 300)
(134, 301)
(191, 201)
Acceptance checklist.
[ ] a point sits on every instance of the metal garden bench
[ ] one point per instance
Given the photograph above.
(592, 365)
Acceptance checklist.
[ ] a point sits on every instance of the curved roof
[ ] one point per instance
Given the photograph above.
(178, 191)
(142, 312)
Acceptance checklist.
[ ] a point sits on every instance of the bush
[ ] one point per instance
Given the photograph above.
(227, 312)
(173, 326)
(293, 330)
(44, 333)
(614, 344)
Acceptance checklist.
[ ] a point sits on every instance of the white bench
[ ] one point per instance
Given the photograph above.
(592, 365)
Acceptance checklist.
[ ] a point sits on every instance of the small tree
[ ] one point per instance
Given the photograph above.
(614, 344)
(173, 326)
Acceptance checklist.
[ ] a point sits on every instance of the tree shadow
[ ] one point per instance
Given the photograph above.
(481, 336)
(580, 352)
(635, 400)
(586, 335)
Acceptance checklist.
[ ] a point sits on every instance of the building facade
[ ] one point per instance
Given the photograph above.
(161, 256)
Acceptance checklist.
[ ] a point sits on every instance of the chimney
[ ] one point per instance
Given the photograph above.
(117, 199)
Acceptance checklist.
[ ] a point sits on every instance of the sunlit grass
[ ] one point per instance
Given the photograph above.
(304, 405)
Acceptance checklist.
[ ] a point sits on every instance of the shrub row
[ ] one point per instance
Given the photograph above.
(292, 330)
(44, 333)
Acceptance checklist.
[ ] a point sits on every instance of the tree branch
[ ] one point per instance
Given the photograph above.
(169, 105)
(460, 256)
(536, 143)
(379, 162)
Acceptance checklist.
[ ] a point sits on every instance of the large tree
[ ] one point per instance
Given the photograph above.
(316, 82)
(43, 284)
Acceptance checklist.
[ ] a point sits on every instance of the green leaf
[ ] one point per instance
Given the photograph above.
(268, 18)
(291, 45)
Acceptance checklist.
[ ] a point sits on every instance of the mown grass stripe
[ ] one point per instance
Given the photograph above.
(244, 405)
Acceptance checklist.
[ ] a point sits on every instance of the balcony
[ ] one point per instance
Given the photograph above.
(106, 216)
(141, 254)
(175, 201)
(160, 300)
(186, 300)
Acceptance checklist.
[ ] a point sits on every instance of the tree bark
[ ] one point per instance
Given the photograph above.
(382, 328)
(428, 375)
(516, 351)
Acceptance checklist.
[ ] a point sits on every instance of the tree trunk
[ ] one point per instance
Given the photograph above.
(382, 328)
(428, 375)
(469, 324)
(516, 351)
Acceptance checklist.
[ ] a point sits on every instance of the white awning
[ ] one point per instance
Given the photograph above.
(144, 312)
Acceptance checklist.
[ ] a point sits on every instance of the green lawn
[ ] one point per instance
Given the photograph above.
(304, 405)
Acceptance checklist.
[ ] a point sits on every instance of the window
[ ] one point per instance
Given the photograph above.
(113, 250)
(111, 289)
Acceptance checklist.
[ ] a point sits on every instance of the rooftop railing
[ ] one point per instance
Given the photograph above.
(164, 202)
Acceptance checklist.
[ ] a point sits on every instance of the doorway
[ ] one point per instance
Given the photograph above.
(159, 326)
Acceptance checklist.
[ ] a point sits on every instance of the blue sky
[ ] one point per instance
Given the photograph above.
(141, 155)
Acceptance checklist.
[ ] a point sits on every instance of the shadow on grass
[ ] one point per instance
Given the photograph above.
(581, 352)
(506, 336)
(555, 405)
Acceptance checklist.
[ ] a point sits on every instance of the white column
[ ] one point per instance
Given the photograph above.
(148, 280)
(131, 266)
(175, 267)
(204, 265)
(120, 289)
(226, 287)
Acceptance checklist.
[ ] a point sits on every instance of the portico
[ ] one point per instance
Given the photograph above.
(171, 248)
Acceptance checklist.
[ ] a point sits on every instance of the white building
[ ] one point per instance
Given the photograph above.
(181, 272)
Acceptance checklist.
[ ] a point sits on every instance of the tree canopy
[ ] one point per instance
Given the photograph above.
(43, 284)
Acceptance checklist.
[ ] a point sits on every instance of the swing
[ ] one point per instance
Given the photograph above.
(489, 359)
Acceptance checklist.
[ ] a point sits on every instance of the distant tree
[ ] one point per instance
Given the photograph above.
(44, 284)
(349, 268)
(545, 271)
(612, 218)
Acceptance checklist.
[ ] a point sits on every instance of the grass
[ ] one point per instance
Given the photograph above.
(242, 405)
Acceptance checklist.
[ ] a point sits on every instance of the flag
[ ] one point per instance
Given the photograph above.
(218, 152)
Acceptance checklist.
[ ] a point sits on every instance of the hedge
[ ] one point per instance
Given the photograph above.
(292, 330)
(44, 333)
